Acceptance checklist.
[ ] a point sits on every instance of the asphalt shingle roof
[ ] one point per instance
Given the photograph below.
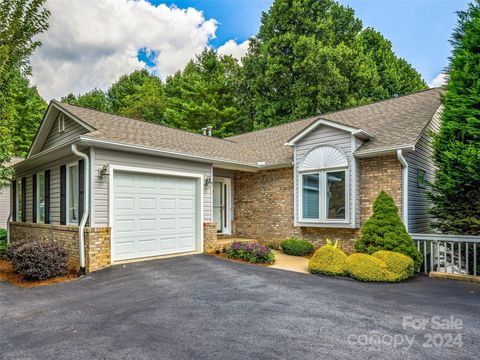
(394, 122)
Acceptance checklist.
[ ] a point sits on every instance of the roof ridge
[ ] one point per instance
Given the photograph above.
(320, 116)
(142, 121)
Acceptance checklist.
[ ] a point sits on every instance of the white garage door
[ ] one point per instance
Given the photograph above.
(153, 215)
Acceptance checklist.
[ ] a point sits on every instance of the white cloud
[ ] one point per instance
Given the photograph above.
(90, 43)
(440, 80)
(232, 48)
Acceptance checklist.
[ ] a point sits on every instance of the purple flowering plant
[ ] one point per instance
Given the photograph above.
(251, 252)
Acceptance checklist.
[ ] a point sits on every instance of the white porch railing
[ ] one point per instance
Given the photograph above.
(456, 254)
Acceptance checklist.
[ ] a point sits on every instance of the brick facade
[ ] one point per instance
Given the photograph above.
(209, 235)
(264, 203)
(97, 248)
(97, 242)
(376, 174)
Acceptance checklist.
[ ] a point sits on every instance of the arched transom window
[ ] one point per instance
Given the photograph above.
(323, 182)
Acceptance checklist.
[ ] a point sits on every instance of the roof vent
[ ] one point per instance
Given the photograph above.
(207, 131)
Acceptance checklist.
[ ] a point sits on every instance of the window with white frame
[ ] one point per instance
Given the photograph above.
(19, 200)
(41, 197)
(323, 186)
(72, 194)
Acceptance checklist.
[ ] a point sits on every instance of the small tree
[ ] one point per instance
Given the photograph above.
(385, 231)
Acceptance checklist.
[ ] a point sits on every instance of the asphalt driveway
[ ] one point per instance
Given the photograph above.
(200, 307)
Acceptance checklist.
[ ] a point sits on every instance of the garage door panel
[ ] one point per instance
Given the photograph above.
(147, 203)
(153, 215)
(125, 203)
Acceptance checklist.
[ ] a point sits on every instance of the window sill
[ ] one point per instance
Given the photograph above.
(335, 225)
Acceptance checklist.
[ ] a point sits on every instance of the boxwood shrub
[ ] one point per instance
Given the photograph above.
(401, 265)
(328, 260)
(38, 260)
(365, 267)
(3, 243)
(296, 247)
(250, 252)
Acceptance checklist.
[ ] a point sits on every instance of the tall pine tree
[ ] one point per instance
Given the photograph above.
(204, 94)
(456, 190)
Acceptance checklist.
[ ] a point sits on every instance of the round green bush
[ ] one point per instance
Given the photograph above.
(328, 260)
(397, 263)
(296, 247)
(39, 260)
(366, 267)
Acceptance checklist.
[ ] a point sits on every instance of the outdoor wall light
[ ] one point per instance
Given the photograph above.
(208, 182)
(103, 172)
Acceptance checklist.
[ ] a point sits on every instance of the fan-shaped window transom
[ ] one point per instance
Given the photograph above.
(324, 157)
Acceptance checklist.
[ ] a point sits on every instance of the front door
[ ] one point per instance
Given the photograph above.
(221, 204)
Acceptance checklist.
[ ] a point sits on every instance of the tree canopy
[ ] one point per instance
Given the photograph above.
(456, 189)
(20, 21)
(313, 57)
(204, 94)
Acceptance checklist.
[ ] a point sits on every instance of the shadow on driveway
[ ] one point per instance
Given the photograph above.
(201, 307)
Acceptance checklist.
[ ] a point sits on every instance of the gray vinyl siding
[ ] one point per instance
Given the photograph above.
(72, 130)
(325, 135)
(54, 168)
(4, 205)
(105, 157)
(421, 159)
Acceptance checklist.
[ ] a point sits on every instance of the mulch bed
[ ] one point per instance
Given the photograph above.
(8, 274)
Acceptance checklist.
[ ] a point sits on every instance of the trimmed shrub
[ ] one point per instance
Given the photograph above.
(385, 231)
(3, 243)
(251, 252)
(38, 260)
(401, 265)
(296, 247)
(365, 267)
(328, 260)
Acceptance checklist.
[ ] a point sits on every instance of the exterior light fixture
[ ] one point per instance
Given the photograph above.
(103, 172)
(208, 182)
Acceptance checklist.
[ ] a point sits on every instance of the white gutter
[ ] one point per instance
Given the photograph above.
(404, 187)
(86, 208)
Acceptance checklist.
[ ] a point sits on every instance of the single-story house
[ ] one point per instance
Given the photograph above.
(111, 188)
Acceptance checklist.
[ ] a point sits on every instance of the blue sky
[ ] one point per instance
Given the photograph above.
(91, 46)
(418, 29)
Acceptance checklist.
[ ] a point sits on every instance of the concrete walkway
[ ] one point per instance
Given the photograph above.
(290, 263)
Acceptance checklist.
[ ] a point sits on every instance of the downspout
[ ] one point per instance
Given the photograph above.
(86, 208)
(8, 225)
(404, 187)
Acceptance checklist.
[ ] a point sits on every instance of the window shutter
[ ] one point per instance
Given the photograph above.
(34, 198)
(47, 197)
(63, 195)
(14, 200)
(81, 188)
(24, 199)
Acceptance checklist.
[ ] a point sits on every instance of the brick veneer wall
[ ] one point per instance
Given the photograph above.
(97, 248)
(376, 174)
(263, 203)
(97, 241)
(209, 235)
